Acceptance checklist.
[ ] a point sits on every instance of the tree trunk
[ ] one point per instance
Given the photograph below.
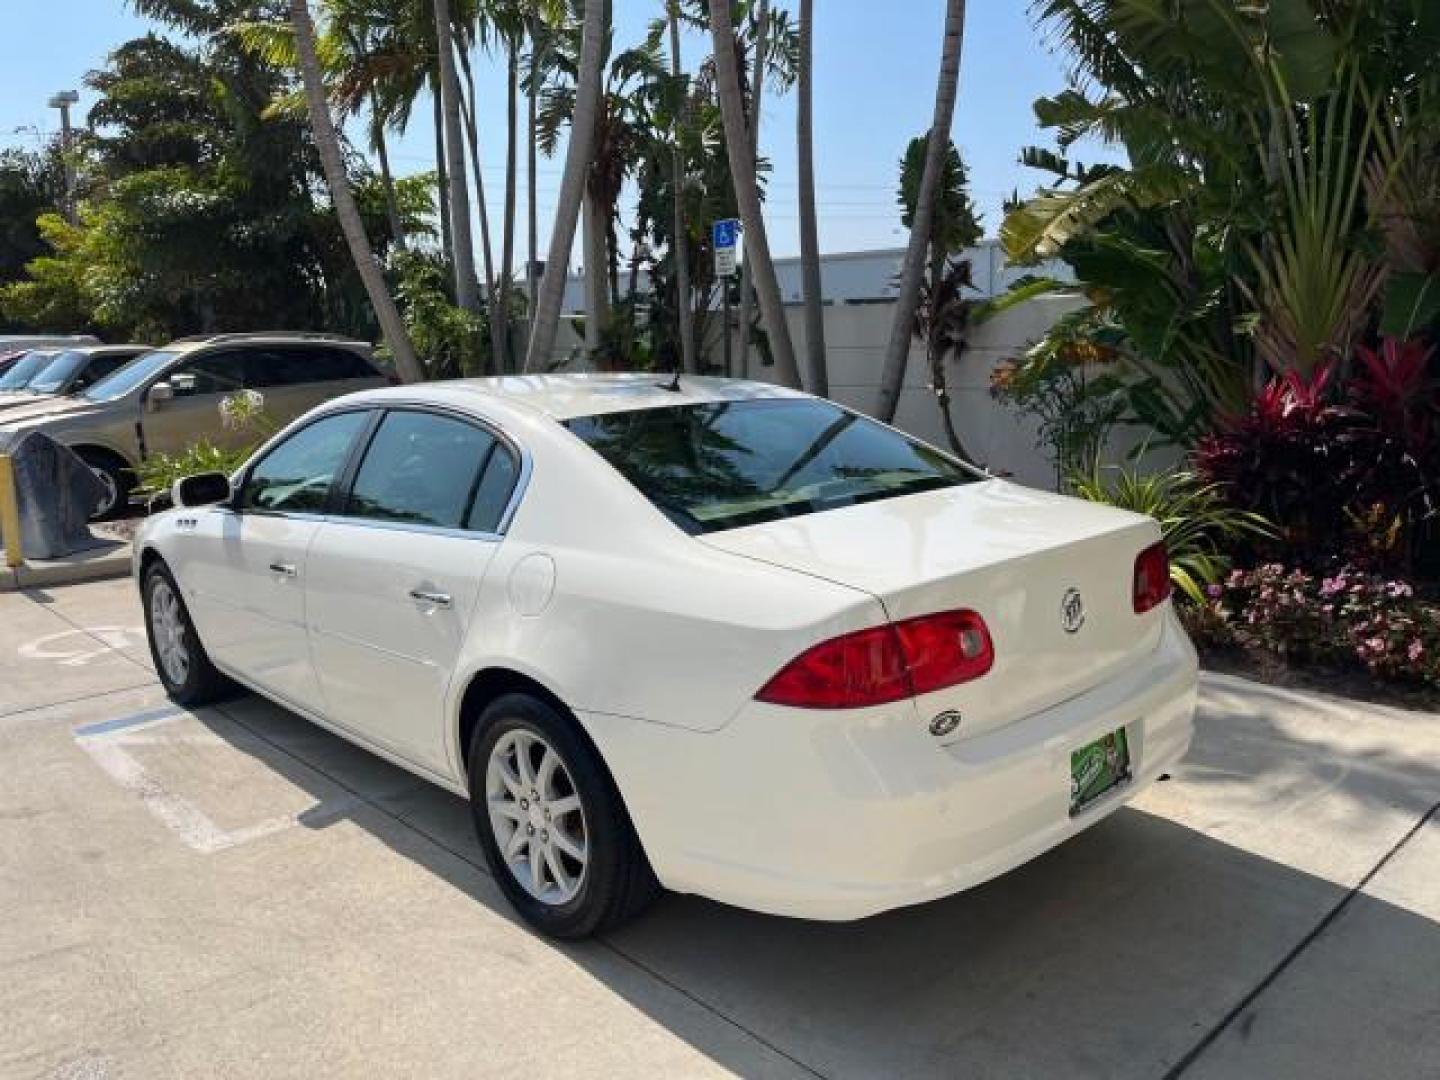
(507, 242)
(679, 237)
(387, 180)
(596, 264)
(466, 296)
(811, 284)
(757, 93)
(472, 135)
(572, 187)
(327, 142)
(747, 194)
(442, 175)
(892, 376)
(532, 157)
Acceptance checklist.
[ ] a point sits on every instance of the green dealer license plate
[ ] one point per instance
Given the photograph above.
(1098, 767)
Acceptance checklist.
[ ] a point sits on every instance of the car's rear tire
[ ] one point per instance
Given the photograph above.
(115, 476)
(553, 827)
(180, 659)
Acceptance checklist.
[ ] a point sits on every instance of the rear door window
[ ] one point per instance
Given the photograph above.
(422, 469)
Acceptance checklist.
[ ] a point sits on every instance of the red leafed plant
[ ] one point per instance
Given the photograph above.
(1393, 384)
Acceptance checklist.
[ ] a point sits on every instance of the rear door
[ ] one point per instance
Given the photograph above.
(392, 579)
(243, 568)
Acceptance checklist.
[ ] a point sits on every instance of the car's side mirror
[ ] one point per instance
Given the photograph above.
(203, 489)
(161, 394)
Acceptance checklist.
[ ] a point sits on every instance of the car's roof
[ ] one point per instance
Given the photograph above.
(264, 337)
(106, 350)
(565, 396)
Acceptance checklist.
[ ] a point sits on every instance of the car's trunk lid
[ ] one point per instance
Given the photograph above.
(1010, 553)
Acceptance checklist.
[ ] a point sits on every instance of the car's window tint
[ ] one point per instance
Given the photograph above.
(52, 377)
(134, 374)
(421, 469)
(214, 373)
(25, 369)
(333, 365)
(721, 465)
(297, 475)
(492, 495)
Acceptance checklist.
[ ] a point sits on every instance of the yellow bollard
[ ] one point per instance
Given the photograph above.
(10, 513)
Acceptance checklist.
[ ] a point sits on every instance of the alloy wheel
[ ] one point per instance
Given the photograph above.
(167, 628)
(537, 817)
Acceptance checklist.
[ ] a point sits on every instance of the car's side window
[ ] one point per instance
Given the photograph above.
(421, 469)
(214, 373)
(298, 475)
(492, 494)
(98, 368)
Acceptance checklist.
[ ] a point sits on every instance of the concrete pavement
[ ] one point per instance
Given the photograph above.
(233, 892)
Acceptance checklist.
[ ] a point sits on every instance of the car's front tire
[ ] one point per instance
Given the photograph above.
(554, 829)
(180, 659)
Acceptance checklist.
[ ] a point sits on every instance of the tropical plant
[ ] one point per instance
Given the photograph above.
(741, 154)
(815, 366)
(912, 273)
(1269, 147)
(327, 142)
(1200, 527)
(572, 186)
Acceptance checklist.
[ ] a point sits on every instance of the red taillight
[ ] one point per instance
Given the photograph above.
(1152, 578)
(885, 663)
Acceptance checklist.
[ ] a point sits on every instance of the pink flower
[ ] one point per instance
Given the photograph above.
(1415, 651)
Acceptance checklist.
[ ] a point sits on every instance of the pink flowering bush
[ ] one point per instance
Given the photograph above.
(1350, 616)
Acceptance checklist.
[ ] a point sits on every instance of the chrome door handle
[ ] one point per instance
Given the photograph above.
(425, 596)
(285, 569)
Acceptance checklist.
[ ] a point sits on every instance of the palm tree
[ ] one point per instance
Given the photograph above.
(757, 92)
(809, 240)
(327, 142)
(680, 239)
(747, 193)
(572, 186)
(892, 376)
(466, 294)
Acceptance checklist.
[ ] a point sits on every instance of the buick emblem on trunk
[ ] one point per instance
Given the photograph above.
(1072, 611)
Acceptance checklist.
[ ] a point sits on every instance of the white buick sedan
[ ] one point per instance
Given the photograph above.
(715, 636)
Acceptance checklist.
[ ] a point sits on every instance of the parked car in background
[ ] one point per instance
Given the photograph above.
(17, 375)
(68, 371)
(720, 635)
(167, 399)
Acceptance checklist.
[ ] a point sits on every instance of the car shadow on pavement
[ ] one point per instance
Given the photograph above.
(1114, 955)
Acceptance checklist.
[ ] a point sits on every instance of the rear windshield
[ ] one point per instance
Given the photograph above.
(721, 465)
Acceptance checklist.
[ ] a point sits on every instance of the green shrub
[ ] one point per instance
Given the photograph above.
(160, 471)
(1199, 527)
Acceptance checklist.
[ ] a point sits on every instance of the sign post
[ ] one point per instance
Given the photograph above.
(725, 237)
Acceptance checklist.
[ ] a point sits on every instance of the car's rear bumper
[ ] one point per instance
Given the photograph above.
(828, 815)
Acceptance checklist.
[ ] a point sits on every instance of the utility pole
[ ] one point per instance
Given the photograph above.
(63, 101)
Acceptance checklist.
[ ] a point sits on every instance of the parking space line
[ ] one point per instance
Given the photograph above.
(122, 722)
(107, 742)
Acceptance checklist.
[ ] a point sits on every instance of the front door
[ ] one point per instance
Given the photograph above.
(200, 385)
(393, 578)
(246, 570)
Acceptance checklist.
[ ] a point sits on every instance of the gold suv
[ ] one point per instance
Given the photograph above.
(165, 400)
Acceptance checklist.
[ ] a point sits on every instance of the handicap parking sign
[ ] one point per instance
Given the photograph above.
(725, 233)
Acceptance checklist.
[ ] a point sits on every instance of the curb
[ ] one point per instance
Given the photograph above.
(96, 564)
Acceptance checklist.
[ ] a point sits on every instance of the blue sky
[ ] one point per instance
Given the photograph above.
(874, 90)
